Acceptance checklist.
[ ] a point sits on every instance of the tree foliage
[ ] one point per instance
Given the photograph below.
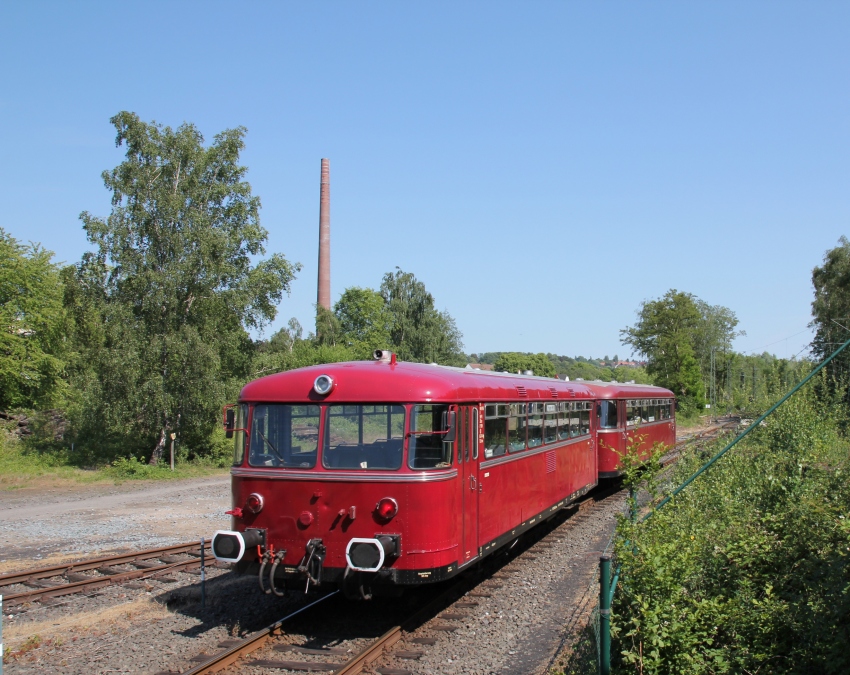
(32, 323)
(516, 362)
(831, 307)
(172, 284)
(677, 334)
(364, 320)
(417, 330)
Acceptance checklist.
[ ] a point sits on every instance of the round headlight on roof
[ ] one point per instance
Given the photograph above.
(323, 385)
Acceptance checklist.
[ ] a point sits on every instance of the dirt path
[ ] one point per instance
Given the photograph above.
(53, 525)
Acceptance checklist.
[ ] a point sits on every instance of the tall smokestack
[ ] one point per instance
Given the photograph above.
(324, 296)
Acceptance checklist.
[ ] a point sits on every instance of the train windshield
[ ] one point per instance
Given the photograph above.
(284, 436)
(426, 449)
(363, 437)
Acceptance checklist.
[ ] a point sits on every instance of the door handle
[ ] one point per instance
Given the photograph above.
(472, 482)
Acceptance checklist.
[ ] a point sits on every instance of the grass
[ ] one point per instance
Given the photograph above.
(24, 466)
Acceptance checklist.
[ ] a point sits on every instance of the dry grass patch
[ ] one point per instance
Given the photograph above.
(74, 626)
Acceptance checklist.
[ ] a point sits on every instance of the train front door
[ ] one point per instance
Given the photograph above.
(470, 485)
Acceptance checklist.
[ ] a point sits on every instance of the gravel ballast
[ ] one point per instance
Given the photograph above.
(516, 624)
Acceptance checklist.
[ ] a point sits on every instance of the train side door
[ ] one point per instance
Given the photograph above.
(470, 483)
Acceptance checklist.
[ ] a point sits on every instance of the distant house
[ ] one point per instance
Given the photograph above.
(624, 364)
(480, 366)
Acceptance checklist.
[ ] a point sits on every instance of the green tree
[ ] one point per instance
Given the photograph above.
(328, 331)
(32, 317)
(664, 335)
(363, 319)
(831, 307)
(174, 282)
(512, 362)
(417, 330)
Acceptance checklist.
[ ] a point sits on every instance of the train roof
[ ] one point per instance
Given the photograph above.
(385, 382)
(626, 390)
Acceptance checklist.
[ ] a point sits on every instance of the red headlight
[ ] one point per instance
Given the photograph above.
(254, 503)
(387, 508)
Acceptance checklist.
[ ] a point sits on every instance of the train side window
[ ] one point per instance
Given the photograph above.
(574, 420)
(550, 423)
(284, 436)
(425, 448)
(239, 433)
(632, 413)
(495, 430)
(517, 427)
(474, 434)
(494, 437)
(584, 418)
(563, 420)
(535, 424)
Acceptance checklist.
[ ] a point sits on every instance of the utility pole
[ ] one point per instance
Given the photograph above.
(713, 385)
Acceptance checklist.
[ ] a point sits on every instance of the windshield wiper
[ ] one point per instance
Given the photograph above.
(269, 443)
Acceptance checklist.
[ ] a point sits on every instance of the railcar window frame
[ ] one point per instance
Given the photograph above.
(520, 431)
(474, 434)
(564, 411)
(534, 425)
(273, 446)
(384, 453)
(240, 435)
(550, 421)
(493, 414)
(607, 409)
(439, 454)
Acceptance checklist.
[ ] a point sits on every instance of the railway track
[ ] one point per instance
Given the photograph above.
(69, 578)
(438, 614)
(707, 434)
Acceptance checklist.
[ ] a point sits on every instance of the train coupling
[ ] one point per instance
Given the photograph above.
(369, 555)
(230, 546)
(312, 562)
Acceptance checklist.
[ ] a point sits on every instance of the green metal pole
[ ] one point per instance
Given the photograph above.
(604, 615)
(746, 431)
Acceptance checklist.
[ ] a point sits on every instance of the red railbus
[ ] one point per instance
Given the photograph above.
(631, 417)
(372, 475)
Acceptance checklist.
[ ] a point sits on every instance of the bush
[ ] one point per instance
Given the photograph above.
(746, 570)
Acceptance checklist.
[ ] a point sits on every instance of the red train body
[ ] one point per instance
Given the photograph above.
(375, 474)
(631, 416)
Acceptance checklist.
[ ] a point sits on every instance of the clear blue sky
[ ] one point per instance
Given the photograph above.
(543, 167)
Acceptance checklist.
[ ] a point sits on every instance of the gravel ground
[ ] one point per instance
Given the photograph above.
(157, 626)
(535, 599)
(51, 526)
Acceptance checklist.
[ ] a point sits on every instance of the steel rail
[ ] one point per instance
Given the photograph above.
(249, 644)
(93, 563)
(93, 583)
(381, 645)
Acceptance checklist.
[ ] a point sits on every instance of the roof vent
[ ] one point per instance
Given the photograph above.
(521, 390)
(554, 392)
